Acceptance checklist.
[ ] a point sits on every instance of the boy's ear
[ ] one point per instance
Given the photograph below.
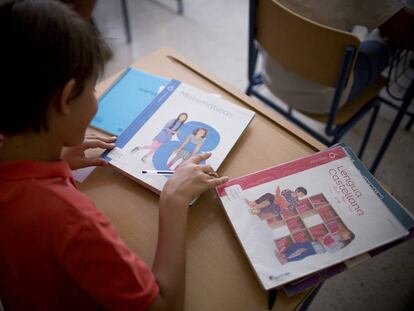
(63, 101)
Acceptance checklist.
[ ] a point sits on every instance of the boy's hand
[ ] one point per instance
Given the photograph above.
(76, 157)
(191, 179)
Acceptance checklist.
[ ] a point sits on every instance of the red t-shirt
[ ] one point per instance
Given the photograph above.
(58, 251)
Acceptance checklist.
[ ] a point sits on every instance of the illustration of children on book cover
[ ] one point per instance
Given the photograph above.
(177, 125)
(292, 209)
(176, 142)
(170, 129)
(298, 219)
(192, 137)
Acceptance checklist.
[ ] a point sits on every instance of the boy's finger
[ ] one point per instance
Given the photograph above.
(207, 169)
(97, 144)
(218, 181)
(213, 174)
(107, 139)
(94, 161)
(200, 157)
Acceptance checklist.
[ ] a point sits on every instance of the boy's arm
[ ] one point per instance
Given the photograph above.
(189, 181)
(169, 261)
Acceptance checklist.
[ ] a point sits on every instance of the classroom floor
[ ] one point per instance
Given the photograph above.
(213, 34)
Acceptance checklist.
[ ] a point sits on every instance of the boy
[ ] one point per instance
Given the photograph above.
(57, 250)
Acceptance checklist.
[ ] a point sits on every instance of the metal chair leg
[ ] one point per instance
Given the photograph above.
(180, 7)
(335, 139)
(305, 305)
(410, 123)
(126, 20)
(368, 130)
(408, 96)
(249, 90)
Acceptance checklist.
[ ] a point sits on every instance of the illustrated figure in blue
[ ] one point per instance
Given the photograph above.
(170, 129)
(190, 146)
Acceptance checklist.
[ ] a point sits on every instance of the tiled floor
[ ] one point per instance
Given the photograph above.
(214, 35)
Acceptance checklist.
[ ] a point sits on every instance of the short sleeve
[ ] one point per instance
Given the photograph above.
(101, 264)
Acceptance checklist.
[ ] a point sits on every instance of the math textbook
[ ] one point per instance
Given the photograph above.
(180, 122)
(301, 217)
(125, 100)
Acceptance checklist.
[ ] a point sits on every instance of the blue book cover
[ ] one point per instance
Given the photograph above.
(125, 100)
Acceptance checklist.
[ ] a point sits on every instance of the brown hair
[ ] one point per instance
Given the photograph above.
(44, 45)
(199, 129)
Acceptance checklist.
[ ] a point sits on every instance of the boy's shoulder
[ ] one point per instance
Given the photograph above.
(62, 199)
(44, 188)
(62, 192)
(41, 200)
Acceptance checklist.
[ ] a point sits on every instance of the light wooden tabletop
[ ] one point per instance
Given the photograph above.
(219, 276)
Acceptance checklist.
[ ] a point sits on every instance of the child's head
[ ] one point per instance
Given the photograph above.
(346, 236)
(182, 117)
(48, 55)
(301, 192)
(200, 132)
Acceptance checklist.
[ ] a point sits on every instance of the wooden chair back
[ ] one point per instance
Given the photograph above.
(314, 51)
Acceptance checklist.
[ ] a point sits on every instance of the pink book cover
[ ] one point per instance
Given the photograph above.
(330, 213)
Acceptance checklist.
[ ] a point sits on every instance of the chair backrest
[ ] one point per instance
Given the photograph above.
(314, 51)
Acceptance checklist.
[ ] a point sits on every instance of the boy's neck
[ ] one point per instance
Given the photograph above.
(30, 146)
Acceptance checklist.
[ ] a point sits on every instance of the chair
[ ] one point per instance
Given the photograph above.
(125, 17)
(285, 36)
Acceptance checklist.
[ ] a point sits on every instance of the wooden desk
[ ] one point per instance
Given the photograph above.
(218, 276)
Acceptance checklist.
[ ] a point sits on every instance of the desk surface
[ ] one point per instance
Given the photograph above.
(218, 275)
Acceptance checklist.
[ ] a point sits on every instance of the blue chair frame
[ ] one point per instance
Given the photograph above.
(332, 130)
